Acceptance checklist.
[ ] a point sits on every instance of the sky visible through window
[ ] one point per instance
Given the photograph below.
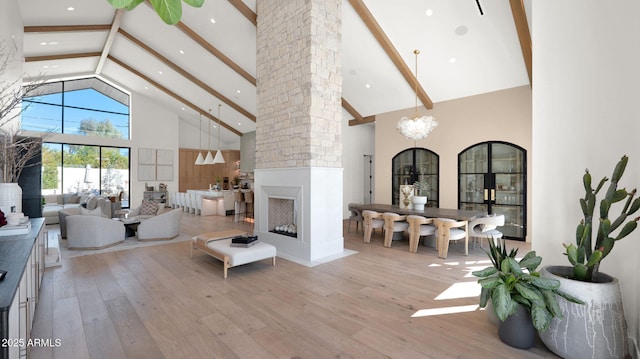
(46, 113)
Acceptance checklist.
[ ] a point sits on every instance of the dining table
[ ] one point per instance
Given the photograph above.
(429, 212)
(458, 215)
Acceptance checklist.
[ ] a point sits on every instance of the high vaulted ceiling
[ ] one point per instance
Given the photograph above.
(467, 47)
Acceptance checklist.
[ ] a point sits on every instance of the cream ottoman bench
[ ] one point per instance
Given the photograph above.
(218, 245)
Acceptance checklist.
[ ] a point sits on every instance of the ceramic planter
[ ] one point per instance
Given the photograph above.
(419, 202)
(518, 330)
(596, 329)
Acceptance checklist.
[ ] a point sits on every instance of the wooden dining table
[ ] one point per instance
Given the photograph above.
(458, 215)
(429, 212)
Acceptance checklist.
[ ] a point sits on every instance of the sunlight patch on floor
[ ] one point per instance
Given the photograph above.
(460, 290)
(444, 310)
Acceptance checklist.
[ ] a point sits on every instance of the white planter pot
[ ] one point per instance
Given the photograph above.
(419, 202)
(10, 196)
(596, 329)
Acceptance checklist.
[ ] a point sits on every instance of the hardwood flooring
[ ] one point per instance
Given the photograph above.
(156, 302)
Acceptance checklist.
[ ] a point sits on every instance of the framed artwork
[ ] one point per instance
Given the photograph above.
(147, 156)
(146, 172)
(164, 157)
(164, 173)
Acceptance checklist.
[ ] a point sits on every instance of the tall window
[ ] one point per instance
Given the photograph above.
(88, 107)
(82, 169)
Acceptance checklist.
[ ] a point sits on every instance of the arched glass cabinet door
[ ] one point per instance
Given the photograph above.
(492, 178)
(416, 164)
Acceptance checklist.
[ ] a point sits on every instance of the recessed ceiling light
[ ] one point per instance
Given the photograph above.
(183, 109)
(146, 88)
(160, 72)
(70, 8)
(239, 123)
(429, 12)
(452, 60)
(461, 30)
(53, 43)
(367, 86)
(237, 91)
(181, 52)
(45, 66)
(43, 43)
(54, 66)
(213, 21)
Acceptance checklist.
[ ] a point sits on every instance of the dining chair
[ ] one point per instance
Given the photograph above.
(356, 215)
(419, 226)
(372, 220)
(485, 228)
(393, 223)
(450, 230)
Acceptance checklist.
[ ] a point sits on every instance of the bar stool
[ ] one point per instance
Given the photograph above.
(248, 202)
(239, 206)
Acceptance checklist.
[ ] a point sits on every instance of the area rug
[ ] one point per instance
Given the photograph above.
(129, 243)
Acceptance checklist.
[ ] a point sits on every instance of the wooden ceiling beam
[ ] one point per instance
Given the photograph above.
(113, 31)
(245, 11)
(188, 76)
(357, 117)
(172, 94)
(387, 46)
(61, 57)
(522, 27)
(67, 28)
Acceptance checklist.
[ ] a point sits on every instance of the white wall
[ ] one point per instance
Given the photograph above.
(357, 141)
(585, 115)
(11, 34)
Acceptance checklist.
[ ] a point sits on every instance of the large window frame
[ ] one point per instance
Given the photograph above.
(99, 174)
(85, 107)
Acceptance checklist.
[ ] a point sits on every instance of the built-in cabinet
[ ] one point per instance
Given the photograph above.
(415, 164)
(20, 289)
(492, 178)
(158, 196)
(192, 176)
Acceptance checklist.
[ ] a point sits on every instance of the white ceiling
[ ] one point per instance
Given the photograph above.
(487, 55)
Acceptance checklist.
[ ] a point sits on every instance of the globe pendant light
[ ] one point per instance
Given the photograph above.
(200, 158)
(218, 158)
(416, 128)
(209, 159)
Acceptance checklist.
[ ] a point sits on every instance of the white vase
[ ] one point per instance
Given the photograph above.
(10, 196)
(419, 202)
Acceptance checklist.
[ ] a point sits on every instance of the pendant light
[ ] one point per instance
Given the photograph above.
(418, 127)
(200, 158)
(209, 159)
(218, 158)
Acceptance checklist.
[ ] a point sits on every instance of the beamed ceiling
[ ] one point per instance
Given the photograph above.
(467, 47)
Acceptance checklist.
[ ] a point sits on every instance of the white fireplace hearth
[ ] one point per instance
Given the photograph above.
(299, 214)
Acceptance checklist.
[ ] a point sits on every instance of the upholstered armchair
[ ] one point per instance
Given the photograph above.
(105, 211)
(93, 232)
(161, 227)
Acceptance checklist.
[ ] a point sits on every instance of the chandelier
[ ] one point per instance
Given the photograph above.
(418, 127)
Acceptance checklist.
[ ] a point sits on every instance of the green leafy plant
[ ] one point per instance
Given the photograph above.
(509, 282)
(585, 256)
(422, 188)
(170, 11)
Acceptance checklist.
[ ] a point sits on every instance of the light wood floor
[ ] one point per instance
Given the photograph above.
(156, 302)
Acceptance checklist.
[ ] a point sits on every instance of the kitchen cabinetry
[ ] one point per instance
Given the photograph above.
(492, 178)
(415, 164)
(22, 256)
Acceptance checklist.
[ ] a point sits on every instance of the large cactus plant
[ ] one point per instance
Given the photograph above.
(585, 256)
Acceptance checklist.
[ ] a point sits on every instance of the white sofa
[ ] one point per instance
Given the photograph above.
(57, 202)
(160, 227)
(103, 203)
(93, 232)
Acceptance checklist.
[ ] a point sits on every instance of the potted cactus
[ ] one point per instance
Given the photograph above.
(597, 329)
(419, 199)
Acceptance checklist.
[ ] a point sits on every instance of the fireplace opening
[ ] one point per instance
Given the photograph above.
(282, 217)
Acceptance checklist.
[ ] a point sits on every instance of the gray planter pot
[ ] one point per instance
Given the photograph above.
(518, 330)
(596, 329)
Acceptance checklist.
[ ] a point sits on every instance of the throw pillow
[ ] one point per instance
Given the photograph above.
(91, 212)
(148, 207)
(92, 202)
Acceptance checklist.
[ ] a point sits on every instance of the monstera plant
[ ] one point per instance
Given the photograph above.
(170, 11)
